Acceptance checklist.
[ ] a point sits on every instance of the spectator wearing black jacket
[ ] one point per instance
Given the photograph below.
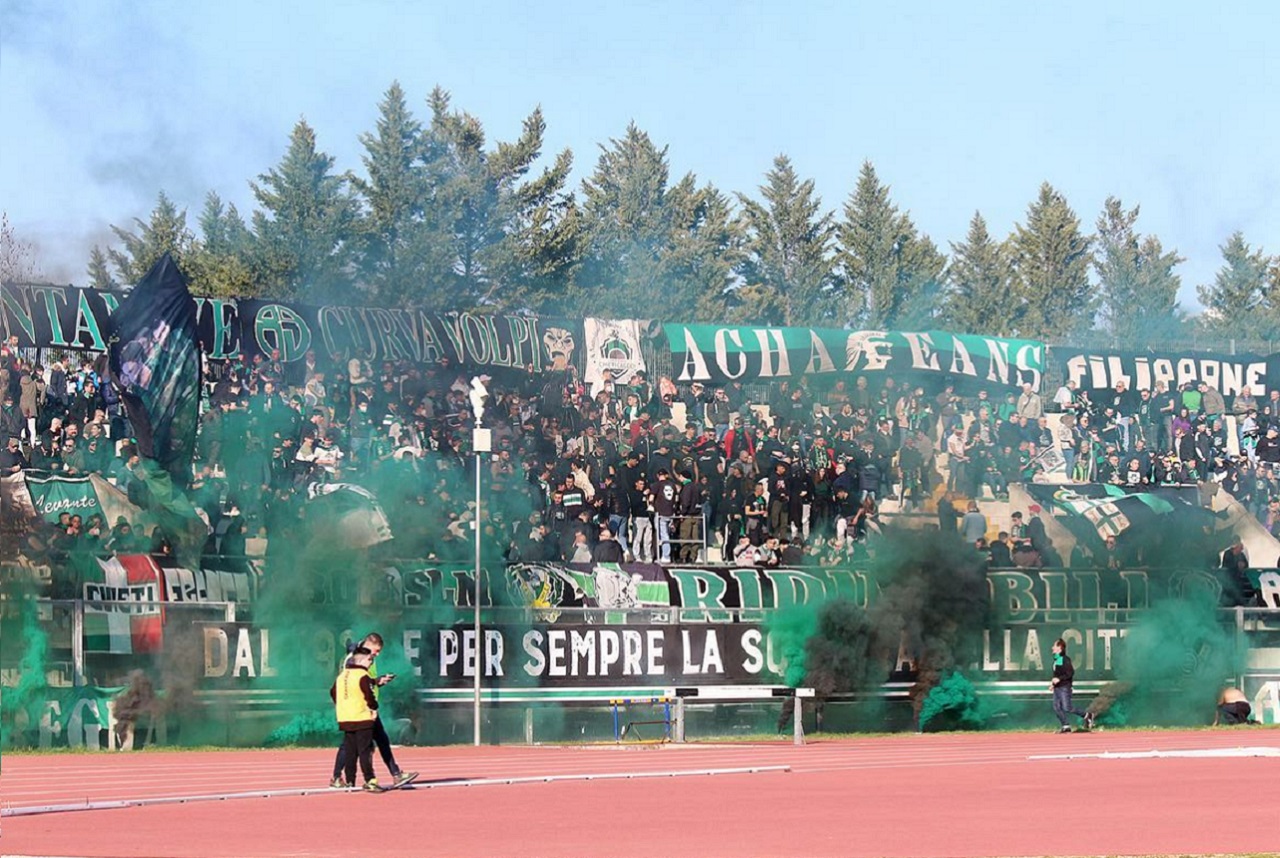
(1001, 556)
(1064, 673)
(11, 458)
(689, 529)
(779, 499)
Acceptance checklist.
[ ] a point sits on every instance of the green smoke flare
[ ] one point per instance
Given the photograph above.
(1176, 658)
(953, 704)
(32, 669)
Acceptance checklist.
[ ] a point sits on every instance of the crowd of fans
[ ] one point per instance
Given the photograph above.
(1177, 436)
(783, 474)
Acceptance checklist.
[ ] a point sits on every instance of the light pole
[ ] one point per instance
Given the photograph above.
(481, 443)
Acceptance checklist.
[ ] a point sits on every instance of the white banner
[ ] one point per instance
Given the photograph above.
(613, 345)
(207, 585)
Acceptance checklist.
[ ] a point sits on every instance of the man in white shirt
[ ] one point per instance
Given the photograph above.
(957, 460)
(1065, 398)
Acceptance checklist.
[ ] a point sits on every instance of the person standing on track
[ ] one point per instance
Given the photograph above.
(373, 644)
(356, 708)
(1064, 673)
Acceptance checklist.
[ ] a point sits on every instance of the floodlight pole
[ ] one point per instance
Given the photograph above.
(481, 442)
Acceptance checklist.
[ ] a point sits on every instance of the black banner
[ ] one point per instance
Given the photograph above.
(337, 334)
(719, 594)
(567, 656)
(154, 362)
(1228, 374)
(56, 316)
(67, 317)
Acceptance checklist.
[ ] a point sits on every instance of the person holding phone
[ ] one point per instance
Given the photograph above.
(373, 643)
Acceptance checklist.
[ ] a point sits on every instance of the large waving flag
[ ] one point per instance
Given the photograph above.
(154, 361)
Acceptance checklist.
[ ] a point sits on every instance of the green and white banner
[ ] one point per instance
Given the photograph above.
(53, 496)
(720, 354)
(612, 345)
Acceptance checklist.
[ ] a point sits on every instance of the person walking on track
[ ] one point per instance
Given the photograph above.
(1064, 673)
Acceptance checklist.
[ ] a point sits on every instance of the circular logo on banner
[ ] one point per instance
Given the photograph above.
(279, 327)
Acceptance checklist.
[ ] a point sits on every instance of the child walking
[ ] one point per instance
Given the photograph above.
(357, 712)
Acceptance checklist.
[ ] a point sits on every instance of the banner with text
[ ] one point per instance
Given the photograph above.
(121, 612)
(721, 354)
(1228, 374)
(68, 317)
(53, 495)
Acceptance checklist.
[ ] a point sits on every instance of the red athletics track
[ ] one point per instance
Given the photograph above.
(957, 794)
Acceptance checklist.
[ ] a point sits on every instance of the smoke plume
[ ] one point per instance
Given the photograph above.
(1176, 658)
(953, 704)
(32, 674)
(932, 607)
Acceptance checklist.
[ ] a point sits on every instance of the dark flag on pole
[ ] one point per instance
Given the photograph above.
(154, 362)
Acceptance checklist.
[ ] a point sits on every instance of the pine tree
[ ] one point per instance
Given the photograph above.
(1050, 260)
(1240, 304)
(654, 249)
(627, 225)
(1138, 284)
(516, 236)
(705, 248)
(391, 262)
(99, 270)
(542, 244)
(977, 299)
(222, 262)
(787, 275)
(455, 224)
(164, 232)
(307, 226)
(892, 273)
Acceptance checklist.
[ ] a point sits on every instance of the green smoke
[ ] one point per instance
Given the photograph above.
(935, 601)
(309, 729)
(933, 604)
(1175, 660)
(32, 670)
(790, 629)
(836, 655)
(1108, 707)
(953, 704)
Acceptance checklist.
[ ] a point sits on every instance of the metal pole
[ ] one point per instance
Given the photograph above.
(77, 642)
(476, 599)
(798, 714)
(481, 442)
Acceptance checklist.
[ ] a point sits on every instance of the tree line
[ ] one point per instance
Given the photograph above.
(441, 218)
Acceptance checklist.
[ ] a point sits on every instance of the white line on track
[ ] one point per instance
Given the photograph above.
(1201, 753)
(600, 776)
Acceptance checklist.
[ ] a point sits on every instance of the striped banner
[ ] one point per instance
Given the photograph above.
(121, 612)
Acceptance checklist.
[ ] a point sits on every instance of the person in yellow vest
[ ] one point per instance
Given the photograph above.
(373, 643)
(357, 711)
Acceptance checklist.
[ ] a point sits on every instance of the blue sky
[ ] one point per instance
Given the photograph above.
(959, 106)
